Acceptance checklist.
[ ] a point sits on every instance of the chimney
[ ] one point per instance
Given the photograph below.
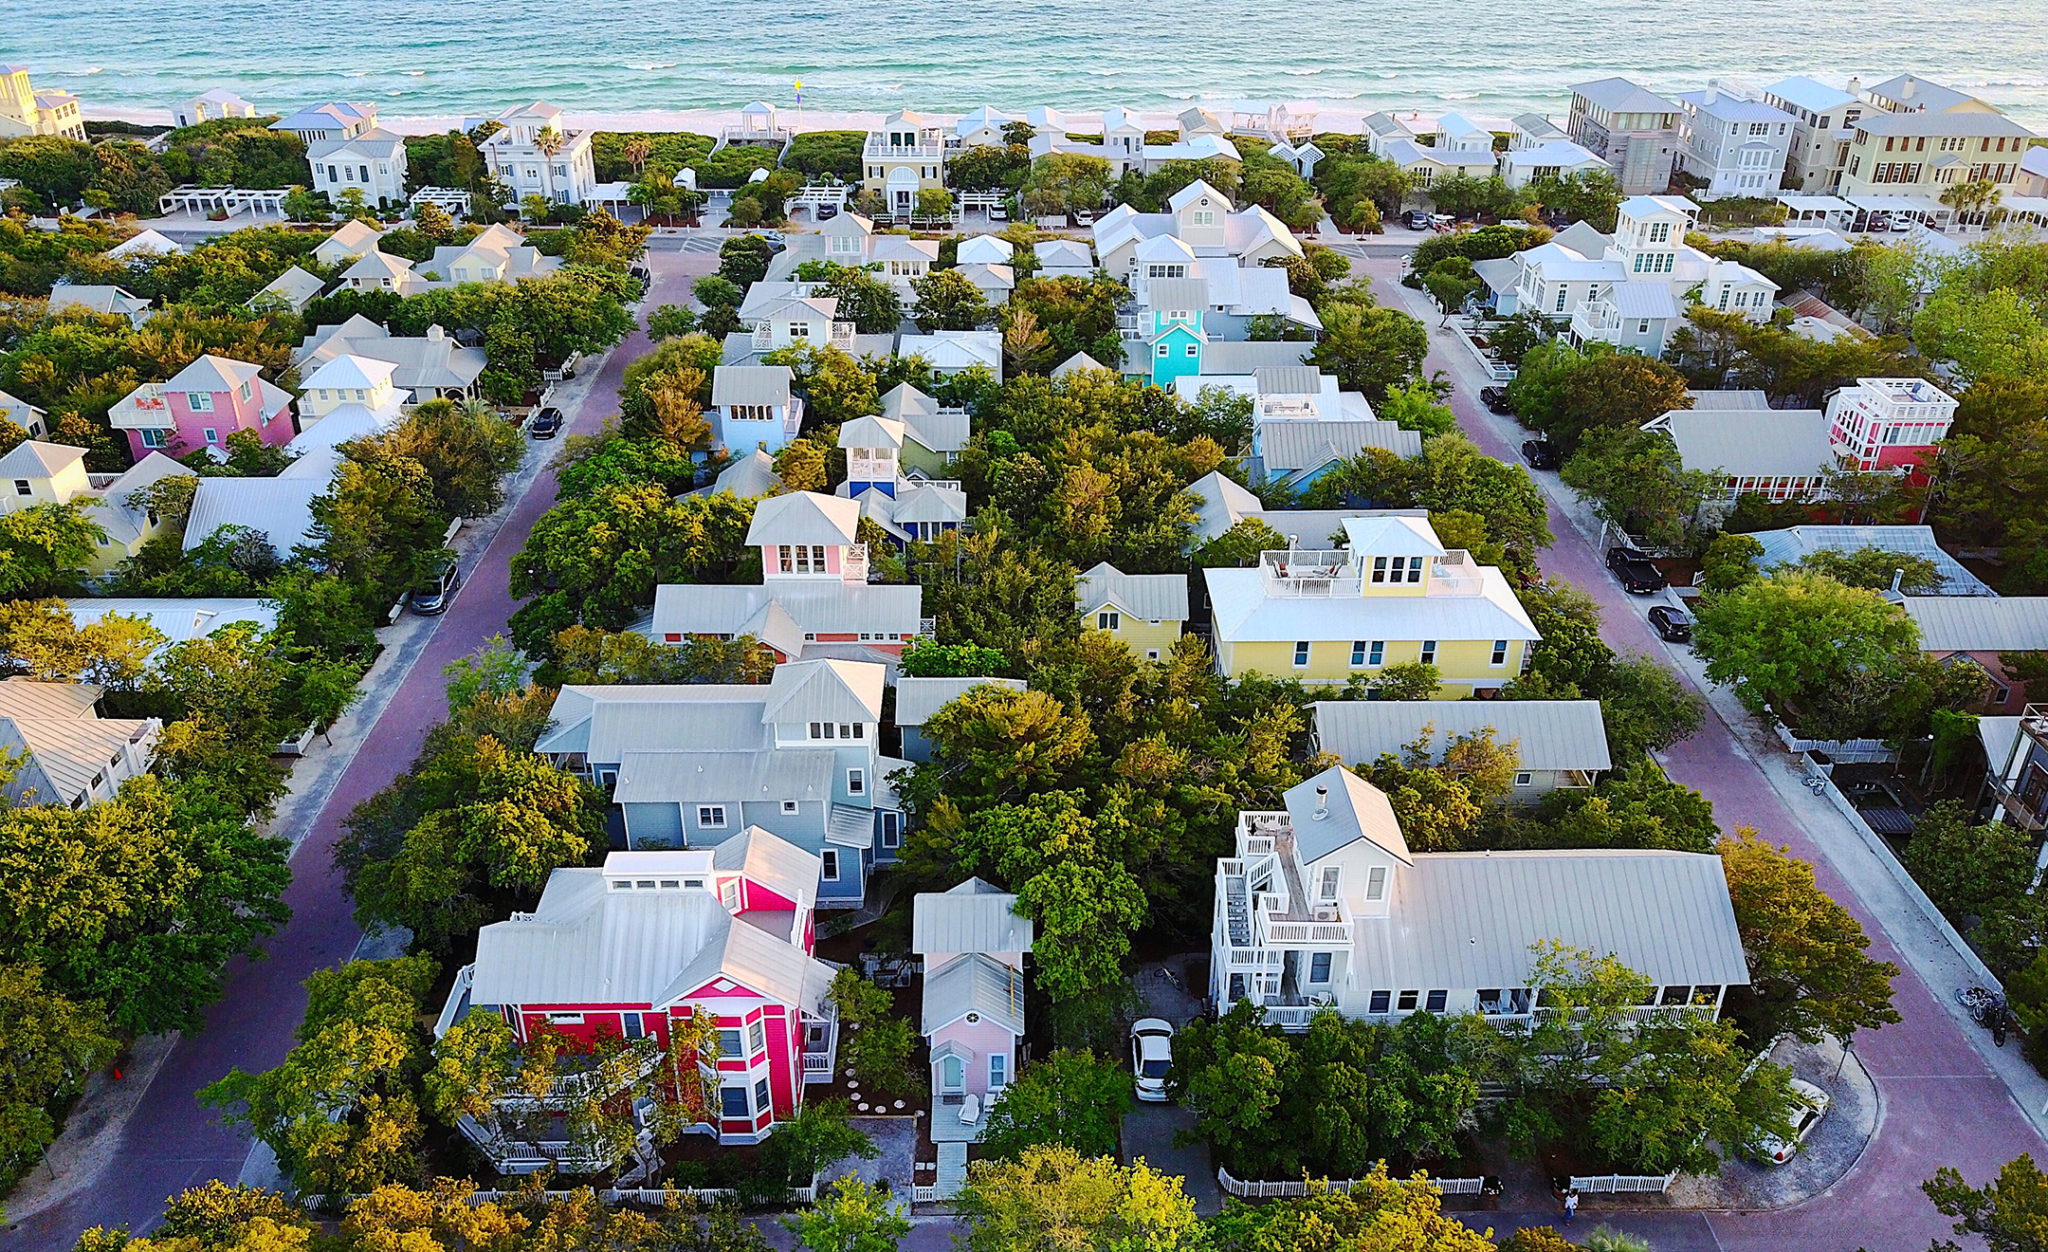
(1713, 91)
(1322, 802)
(435, 334)
(1293, 541)
(1898, 579)
(1906, 88)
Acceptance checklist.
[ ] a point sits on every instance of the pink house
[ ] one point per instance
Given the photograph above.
(973, 942)
(201, 406)
(652, 938)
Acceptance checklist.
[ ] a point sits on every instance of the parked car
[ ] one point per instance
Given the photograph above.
(1084, 217)
(1813, 1105)
(997, 213)
(1151, 1057)
(1673, 625)
(774, 237)
(546, 424)
(1638, 576)
(432, 595)
(1418, 220)
(1496, 400)
(1443, 221)
(1540, 453)
(826, 212)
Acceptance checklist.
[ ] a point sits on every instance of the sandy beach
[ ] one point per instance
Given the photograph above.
(1340, 117)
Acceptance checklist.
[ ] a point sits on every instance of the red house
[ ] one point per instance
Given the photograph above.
(1889, 423)
(647, 939)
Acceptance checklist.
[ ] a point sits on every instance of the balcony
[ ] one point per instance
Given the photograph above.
(1596, 319)
(144, 408)
(1303, 573)
(1455, 573)
(882, 147)
(458, 1005)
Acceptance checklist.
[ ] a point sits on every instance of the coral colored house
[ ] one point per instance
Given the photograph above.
(201, 406)
(645, 941)
(1889, 423)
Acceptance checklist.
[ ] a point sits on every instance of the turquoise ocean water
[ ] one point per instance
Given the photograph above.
(416, 58)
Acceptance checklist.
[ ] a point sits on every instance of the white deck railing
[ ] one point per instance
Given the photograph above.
(1255, 1190)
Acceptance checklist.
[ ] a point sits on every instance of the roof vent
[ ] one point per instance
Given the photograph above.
(1322, 802)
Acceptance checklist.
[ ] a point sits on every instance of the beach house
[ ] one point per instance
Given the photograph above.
(1982, 631)
(752, 407)
(200, 406)
(64, 752)
(536, 155)
(1822, 127)
(956, 351)
(904, 155)
(1323, 907)
(1634, 130)
(1146, 612)
(1732, 146)
(210, 106)
(918, 700)
(1391, 594)
(425, 367)
(370, 161)
(982, 127)
(907, 508)
(348, 397)
(1458, 147)
(1889, 423)
(973, 942)
(105, 300)
(24, 111)
(351, 241)
(1752, 448)
(813, 599)
(34, 472)
(1537, 149)
(290, 292)
(335, 120)
(694, 764)
(1557, 743)
(1204, 221)
(23, 414)
(934, 434)
(632, 949)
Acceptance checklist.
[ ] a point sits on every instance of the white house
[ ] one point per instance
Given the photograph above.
(955, 351)
(371, 161)
(1823, 125)
(1737, 147)
(535, 155)
(425, 367)
(65, 753)
(1324, 907)
(337, 119)
(981, 128)
(1557, 743)
(350, 241)
(349, 397)
(142, 246)
(292, 290)
(1461, 147)
(1529, 159)
(1752, 448)
(23, 414)
(1203, 223)
(210, 106)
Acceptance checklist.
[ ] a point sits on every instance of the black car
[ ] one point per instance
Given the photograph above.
(1496, 400)
(432, 596)
(546, 424)
(1540, 454)
(1638, 576)
(1672, 625)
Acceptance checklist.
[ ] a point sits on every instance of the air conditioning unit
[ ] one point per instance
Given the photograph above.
(1326, 914)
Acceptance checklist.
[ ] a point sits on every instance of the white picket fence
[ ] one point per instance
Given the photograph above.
(1299, 1187)
(1843, 751)
(922, 1194)
(1591, 1183)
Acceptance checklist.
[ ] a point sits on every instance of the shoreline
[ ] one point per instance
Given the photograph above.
(1340, 117)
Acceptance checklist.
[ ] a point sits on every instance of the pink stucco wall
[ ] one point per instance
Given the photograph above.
(979, 1038)
(230, 413)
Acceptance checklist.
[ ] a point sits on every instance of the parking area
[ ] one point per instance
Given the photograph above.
(1149, 1132)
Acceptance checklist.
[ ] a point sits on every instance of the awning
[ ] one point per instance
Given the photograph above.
(1816, 204)
(850, 827)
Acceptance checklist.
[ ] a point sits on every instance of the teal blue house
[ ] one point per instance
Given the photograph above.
(1173, 322)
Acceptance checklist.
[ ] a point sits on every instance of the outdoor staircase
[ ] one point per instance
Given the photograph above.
(952, 1170)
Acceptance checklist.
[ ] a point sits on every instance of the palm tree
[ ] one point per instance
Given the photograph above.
(549, 141)
(637, 151)
(1978, 197)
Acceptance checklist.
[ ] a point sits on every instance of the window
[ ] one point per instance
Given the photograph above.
(757, 1038)
(729, 1043)
(153, 439)
(1676, 995)
(1706, 994)
(199, 401)
(788, 808)
(1643, 326)
(1377, 654)
(1108, 619)
(1560, 297)
(1376, 883)
(1164, 351)
(607, 778)
(1301, 654)
(212, 435)
(1358, 651)
(1524, 778)
(1379, 1002)
(554, 1019)
(631, 1024)
(729, 894)
(732, 1102)
(1429, 652)
(998, 1070)
(1406, 1003)
(1379, 569)
(1319, 968)
(1327, 886)
(22, 488)
(892, 830)
(1194, 350)
(829, 867)
(1500, 653)
(711, 816)
(856, 782)
(1436, 1001)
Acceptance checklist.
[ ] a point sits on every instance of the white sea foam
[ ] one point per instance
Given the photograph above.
(656, 65)
(1308, 73)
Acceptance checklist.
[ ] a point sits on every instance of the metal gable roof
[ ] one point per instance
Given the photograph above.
(281, 508)
(811, 607)
(726, 776)
(33, 458)
(1747, 443)
(871, 432)
(1979, 623)
(825, 691)
(1547, 734)
(178, 620)
(1153, 597)
(35, 699)
(918, 698)
(1290, 444)
(771, 861)
(974, 916)
(1794, 544)
(1471, 919)
(975, 984)
(1619, 95)
(803, 517)
(1244, 613)
(750, 384)
(749, 476)
(1337, 808)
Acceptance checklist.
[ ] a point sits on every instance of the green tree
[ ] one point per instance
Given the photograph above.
(2009, 1214)
(1875, 568)
(670, 321)
(925, 658)
(1731, 561)
(1416, 407)
(44, 548)
(465, 449)
(1379, 1213)
(947, 301)
(1810, 973)
(1370, 350)
(1068, 1097)
(855, 1217)
(1798, 641)
(53, 1045)
(1052, 1197)
(868, 301)
(1060, 183)
(1637, 482)
(743, 259)
(877, 1044)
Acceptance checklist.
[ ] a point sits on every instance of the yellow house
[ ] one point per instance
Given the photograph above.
(1146, 611)
(35, 473)
(906, 154)
(1393, 594)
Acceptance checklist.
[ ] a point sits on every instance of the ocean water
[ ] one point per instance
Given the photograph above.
(415, 58)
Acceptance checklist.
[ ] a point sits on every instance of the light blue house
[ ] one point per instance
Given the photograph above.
(693, 765)
(752, 407)
(917, 699)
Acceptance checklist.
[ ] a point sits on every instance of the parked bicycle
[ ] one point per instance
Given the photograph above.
(1988, 1009)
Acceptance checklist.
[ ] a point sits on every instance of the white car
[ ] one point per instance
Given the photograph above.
(1813, 1106)
(1151, 1057)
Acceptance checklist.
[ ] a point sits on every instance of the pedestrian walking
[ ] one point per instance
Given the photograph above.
(1571, 1206)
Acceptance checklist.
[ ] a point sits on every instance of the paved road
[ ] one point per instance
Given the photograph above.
(172, 1142)
(1942, 1102)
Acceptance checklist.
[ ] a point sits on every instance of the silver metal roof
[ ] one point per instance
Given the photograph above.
(1472, 919)
(975, 984)
(825, 691)
(918, 698)
(1546, 734)
(971, 917)
(814, 607)
(1746, 443)
(1980, 623)
(1288, 444)
(750, 384)
(1796, 543)
(1153, 597)
(1337, 808)
(730, 777)
(803, 517)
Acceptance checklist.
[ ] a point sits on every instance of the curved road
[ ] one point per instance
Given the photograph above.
(171, 1142)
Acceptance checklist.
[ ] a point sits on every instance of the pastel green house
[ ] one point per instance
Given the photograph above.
(1392, 594)
(933, 434)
